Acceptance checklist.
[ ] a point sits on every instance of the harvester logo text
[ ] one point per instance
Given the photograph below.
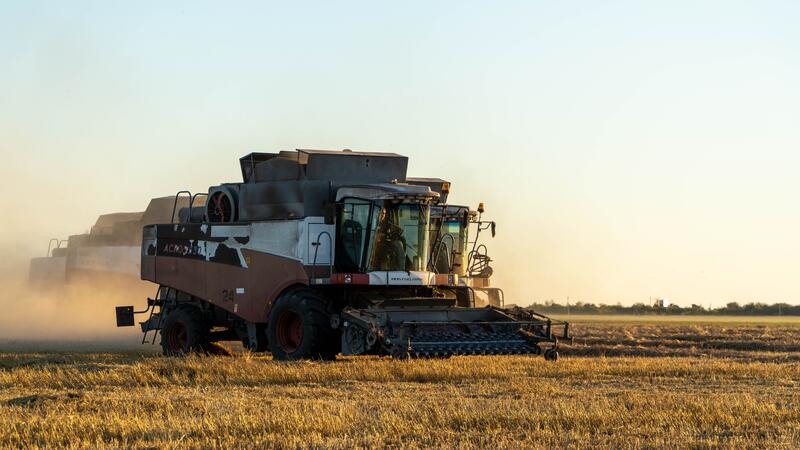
(181, 250)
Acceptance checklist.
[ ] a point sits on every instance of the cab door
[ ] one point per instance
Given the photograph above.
(320, 237)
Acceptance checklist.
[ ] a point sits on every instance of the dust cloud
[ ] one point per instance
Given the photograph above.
(61, 200)
(76, 315)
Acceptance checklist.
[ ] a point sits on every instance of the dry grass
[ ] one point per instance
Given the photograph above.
(705, 397)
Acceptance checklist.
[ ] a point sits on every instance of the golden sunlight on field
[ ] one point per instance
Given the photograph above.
(727, 394)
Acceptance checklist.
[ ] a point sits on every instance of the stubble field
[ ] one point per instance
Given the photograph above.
(623, 384)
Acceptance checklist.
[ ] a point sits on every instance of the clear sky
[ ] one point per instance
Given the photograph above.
(627, 149)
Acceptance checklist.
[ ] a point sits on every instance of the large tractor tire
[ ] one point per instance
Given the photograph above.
(184, 331)
(300, 328)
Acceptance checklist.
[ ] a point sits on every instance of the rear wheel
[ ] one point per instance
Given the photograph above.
(299, 327)
(184, 331)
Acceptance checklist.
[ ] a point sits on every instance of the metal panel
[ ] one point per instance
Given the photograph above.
(269, 276)
(184, 274)
(228, 286)
(248, 164)
(355, 168)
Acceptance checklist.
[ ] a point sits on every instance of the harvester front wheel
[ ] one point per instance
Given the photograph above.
(184, 331)
(299, 327)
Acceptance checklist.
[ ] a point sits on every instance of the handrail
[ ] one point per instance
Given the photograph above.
(436, 239)
(175, 204)
(316, 252)
(477, 261)
(437, 247)
(58, 242)
(191, 203)
(50, 245)
(192, 199)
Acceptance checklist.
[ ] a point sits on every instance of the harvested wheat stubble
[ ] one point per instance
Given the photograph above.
(762, 342)
(129, 400)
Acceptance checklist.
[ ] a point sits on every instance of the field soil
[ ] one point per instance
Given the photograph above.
(622, 384)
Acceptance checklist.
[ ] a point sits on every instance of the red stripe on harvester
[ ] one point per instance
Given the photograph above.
(350, 278)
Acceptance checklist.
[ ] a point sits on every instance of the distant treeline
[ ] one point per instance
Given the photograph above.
(733, 308)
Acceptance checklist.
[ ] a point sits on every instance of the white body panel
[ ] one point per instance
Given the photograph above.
(118, 259)
(402, 278)
(293, 239)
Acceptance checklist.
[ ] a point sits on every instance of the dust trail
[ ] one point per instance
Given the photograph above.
(77, 315)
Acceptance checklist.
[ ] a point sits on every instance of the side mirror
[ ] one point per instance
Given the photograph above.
(329, 210)
(493, 229)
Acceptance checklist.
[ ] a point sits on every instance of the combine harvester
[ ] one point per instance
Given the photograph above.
(318, 253)
(109, 252)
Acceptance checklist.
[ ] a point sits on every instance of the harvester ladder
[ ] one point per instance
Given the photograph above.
(151, 305)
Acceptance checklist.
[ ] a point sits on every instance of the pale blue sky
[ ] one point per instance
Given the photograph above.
(628, 149)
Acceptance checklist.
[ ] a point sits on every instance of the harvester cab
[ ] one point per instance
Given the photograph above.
(452, 251)
(318, 253)
(383, 228)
